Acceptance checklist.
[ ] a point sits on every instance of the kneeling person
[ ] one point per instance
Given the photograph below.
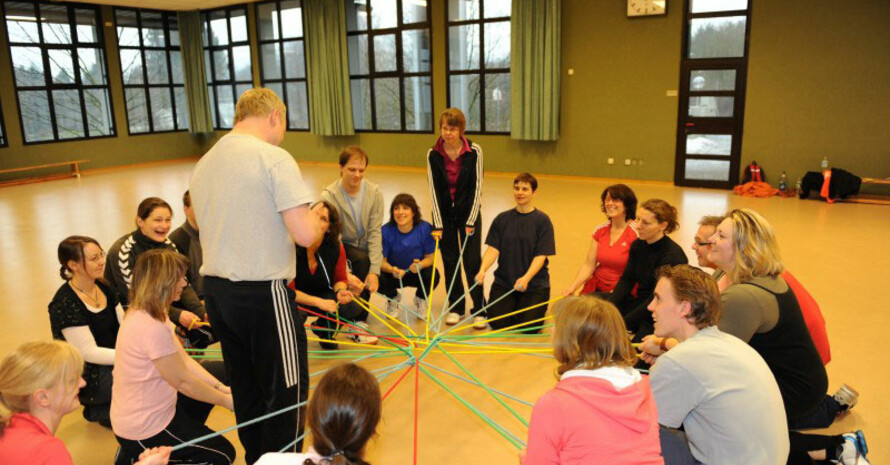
(712, 384)
(520, 239)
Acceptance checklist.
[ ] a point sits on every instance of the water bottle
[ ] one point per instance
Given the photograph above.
(783, 182)
(825, 163)
(799, 185)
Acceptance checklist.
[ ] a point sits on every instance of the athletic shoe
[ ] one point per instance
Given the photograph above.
(846, 396)
(854, 450)
(420, 304)
(480, 322)
(452, 319)
(362, 338)
(392, 308)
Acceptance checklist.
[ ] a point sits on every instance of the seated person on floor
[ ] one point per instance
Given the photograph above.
(321, 283)
(713, 385)
(520, 240)
(188, 243)
(408, 251)
(342, 415)
(601, 410)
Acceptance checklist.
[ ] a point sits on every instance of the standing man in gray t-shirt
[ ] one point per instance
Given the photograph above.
(251, 205)
(713, 384)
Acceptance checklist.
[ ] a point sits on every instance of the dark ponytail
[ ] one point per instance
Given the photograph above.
(71, 248)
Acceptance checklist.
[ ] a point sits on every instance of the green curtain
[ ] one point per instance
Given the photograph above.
(535, 69)
(327, 68)
(190, 38)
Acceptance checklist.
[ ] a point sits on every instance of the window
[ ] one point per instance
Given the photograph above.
(479, 63)
(390, 65)
(151, 70)
(227, 61)
(58, 59)
(3, 142)
(283, 57)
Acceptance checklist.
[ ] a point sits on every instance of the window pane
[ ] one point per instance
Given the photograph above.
(241, 55)
(85, 21)
(463, 46)
(497, 8)
(709, 144)
(384, 14)
(182, 110)
(297, 105)
(721, 79)
(34, 105)
(173, 26)
(361, 103)
(61, 66)
(156, 64)
(278, 88)
(241, 89)
(131, 66)
(497, 45)
(717, 37)
(161, 109)
(388, 106)
(69, 115)
(211, 95)
(416, 50)
(239, 26)
(219, 28)
(294, 60)
(21, 23)
(358, 54)
(356, 15)
(208, 66)
(707, 170)
(270, 54)
(127, 28)
(55, 24)
(418, 104)
(711, 107)
(267, 14)
(225, 101)
(91, 62)
(460, 10)
(176, 66)
(152, 30)
(705, 6)
(292, 19)
(497, 102)
(28, 64)
(464, 90)
(137, 110)
(413, 11)
(98, 112)
(385, 53)
(221, 65)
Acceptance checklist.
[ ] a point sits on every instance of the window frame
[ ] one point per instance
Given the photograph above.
(4, 136)
(399, 72)
(212, 82)
(50, 86)
(280, 41)
(482, 71)
(146, 86)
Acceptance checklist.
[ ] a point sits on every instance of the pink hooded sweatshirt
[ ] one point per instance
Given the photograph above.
(586, 419)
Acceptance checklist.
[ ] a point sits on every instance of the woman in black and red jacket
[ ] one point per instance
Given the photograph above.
(454, 168)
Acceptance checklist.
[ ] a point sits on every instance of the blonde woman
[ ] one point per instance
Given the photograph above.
(150, 367)
(39, 384)
(602, 410)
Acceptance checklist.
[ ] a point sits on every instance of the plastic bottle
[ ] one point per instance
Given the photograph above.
(825, 163)
(799, 185)
(783, 182)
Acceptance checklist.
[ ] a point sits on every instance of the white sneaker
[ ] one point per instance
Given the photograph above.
(480, 322)
(392, 308)
(420, 304)
(452, 319)
(854, 449)
(361, 338)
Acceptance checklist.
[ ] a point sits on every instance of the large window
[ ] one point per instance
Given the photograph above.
(479, 63)
(227, 61)
(151, 69)
(58, 59)
(390, 65)
(283, 58)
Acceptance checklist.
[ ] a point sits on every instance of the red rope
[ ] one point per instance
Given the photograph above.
(416, 397)
(356, 328)
(392, 388)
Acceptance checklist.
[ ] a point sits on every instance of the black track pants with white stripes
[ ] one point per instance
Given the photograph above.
(264, 349)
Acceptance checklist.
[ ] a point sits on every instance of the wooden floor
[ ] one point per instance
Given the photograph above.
(838, 252)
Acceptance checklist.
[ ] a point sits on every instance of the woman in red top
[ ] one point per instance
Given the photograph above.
(611, 242)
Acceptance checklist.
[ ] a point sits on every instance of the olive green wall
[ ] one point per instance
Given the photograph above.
(818, 85)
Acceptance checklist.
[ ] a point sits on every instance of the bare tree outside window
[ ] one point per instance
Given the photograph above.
(59, 70)
(227, 61)
(283, 57)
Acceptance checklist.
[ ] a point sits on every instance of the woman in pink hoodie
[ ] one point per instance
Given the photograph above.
(601, 410)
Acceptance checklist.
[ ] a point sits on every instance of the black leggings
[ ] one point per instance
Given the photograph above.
(389, 284)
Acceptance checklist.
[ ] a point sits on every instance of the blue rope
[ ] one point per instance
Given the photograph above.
(477, 312)
(503, 394)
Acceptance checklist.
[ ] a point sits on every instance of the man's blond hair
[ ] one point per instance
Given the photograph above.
(258, 101)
